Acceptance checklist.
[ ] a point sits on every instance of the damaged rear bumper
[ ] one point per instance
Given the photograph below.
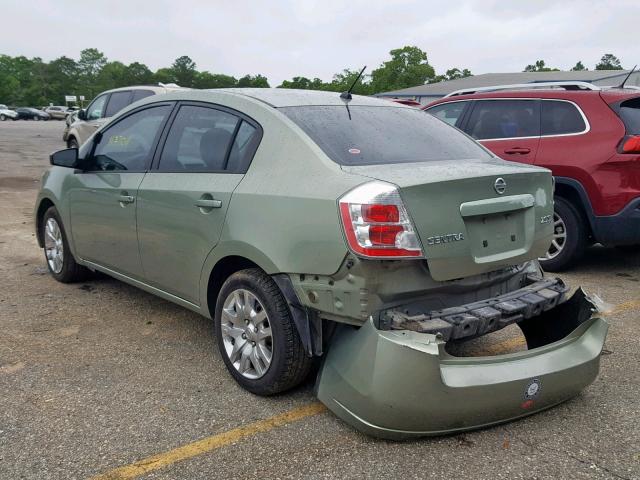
(399, 384)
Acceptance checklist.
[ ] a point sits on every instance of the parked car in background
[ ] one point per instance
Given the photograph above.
(405, 101)
(28, 113)
(72, 117)
(590, 139)
(57, 112)
(7, 114)
(106, 105)
(287, 218)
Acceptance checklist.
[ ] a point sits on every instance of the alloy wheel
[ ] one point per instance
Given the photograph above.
(53, 245)
(246, 334)
(559, 238)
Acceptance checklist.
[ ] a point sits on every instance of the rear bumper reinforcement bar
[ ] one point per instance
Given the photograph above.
(486, 316)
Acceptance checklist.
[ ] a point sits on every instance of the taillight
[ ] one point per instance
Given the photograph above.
(376, 222)
(630, 144)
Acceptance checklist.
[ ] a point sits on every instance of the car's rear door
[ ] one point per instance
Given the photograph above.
(183, 199)
(102, 201)
(510, 128)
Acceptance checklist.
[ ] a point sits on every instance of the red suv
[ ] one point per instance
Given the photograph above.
(590, 139)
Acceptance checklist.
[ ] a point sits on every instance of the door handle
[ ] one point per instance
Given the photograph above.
(208, 203)
(517, 151)
(127, 199)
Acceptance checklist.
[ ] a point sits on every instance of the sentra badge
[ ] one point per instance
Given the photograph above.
(447, 238)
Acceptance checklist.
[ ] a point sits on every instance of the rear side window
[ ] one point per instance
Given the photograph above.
(630, 114)
(561, 118)
(497, 119)
(448, 112)
(243, 147)
(117, 102)
(199, 140)
(140, 94)
(365, 135)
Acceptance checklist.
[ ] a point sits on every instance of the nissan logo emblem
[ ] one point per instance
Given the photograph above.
(500, 185)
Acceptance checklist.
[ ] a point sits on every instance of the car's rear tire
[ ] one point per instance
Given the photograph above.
(36, 118)
(60, 261)
(256, 335)
(2, 117)
(72, 143)
(570, 237)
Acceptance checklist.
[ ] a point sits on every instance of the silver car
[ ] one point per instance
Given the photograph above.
(105, 106)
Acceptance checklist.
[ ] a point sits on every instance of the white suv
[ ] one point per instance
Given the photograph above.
(106, 105)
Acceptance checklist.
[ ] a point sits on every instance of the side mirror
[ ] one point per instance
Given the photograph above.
(65, 158)
(82, 114)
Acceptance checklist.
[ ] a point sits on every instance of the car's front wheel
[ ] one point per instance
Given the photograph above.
(2, 117)
(256, 335)
(569, 237)
(72, 143)
(60, 261)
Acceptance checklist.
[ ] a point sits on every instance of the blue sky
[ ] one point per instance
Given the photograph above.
(281, 39)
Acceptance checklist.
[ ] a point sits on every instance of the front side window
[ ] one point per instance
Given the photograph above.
(367, 135)
(448, 112)
(128, 145)
(94, 111)
(498, 119)
(561, 118)
(117, 102)
(199, 140)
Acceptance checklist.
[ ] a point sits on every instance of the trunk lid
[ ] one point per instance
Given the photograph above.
(465, 225)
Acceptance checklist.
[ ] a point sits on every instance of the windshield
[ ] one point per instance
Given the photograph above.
(366, 135)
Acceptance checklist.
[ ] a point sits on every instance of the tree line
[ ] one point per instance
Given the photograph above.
(608, 62)
(33, 82)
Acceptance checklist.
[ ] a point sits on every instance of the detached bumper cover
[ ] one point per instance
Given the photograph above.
(402, 384)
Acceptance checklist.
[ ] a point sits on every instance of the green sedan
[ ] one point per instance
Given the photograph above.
(311, 224)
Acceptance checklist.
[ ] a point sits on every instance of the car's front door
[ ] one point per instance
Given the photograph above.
(103, 202)
(510, 128)
(183, 200)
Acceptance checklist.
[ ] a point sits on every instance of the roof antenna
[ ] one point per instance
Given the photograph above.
(627, 77)
(347, 95)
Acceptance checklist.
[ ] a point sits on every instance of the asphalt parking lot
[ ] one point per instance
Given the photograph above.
(101, 379)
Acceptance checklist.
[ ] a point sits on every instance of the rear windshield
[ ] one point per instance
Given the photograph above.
(630, 114)
(369, 135)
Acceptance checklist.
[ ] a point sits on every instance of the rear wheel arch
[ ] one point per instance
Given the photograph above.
(573, 192)
(223, 269)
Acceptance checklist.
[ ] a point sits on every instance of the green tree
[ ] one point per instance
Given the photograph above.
(452, 74)
(112, 75)
(251, 81)
(138, 74)
(214, 80)
(303, 83)
(184, 71)
(539, 66)
(408, 67)
(579, 67)
(90, 64)
(164, 75)
(609, 62)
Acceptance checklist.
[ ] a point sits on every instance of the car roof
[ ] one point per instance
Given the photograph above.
(548, 93)
(158, 89)
(288, 97)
